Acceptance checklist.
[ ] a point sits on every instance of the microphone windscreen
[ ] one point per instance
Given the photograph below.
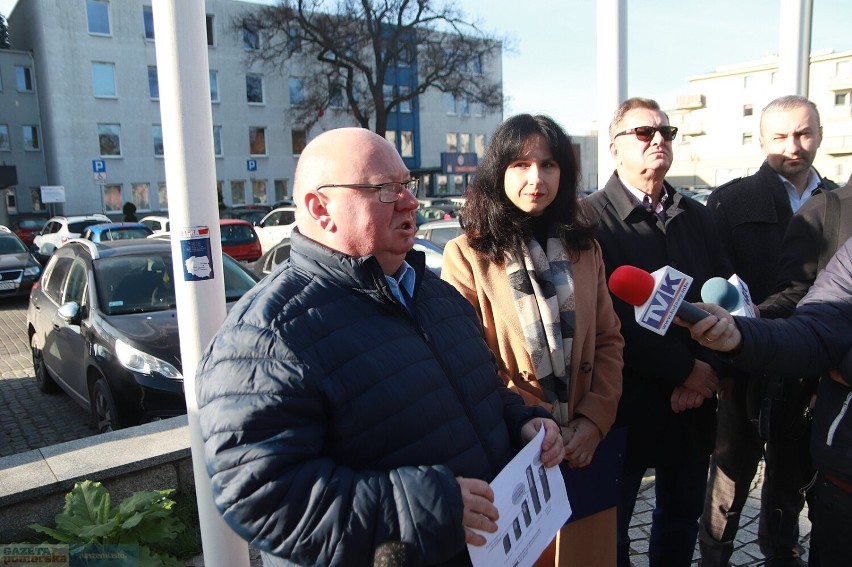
(397, 554)
(721, 292)
(631, 284)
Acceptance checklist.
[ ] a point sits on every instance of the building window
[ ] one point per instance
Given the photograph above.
(217, 141)
(450, 103)
(258, 191)
(103, 79)
(748, 109)
(748, 81)
(297, 95)
(238, 192)
(405, 105)
(390, 136)
(442, 184)
(148, 22)
(406, 143)
(257, 141)
(476, 64)
(294, 39)
(452, 142)
(280, 189)
(31, 140)
(841, 99)
(478, 108)
(141, 196)
(162, 196)
(254, 89)
(251, 38)
(387, 93)
(211, 39)
(109, 140)
(35, 196)
(5, 144)
(113, 200)
(479, 144)
(464, 143)
(299, 139)
(24, 78)
(747, 138)
(403, 56)
(157, 135)
(97, 13)
(464, 106)
(153, 83)
(214, 86)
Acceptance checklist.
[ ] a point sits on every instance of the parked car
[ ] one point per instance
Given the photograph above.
(27, 226)
(439, 212)
(102, 327)
(439, 232)
(251, 213)
(59, 230)
(279, 254)
(156, 223)
(116, 231)
(19, 269)
(276, 226)
(239, 240)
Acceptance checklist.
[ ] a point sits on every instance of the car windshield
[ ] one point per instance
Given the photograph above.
(32, 224)
(233, 234)
(441, 236)
(124, 233)
(140, 283)
(79, 226)
(11, 245)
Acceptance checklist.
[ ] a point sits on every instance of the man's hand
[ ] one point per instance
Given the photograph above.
(702, 380)
(684, 399)
(479, 510)
(718, 333)
(552, 447)
(581, 440)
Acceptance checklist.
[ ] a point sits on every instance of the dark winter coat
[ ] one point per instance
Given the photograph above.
(653, 364)
(334, 421)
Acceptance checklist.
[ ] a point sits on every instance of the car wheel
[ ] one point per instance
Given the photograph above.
(44, 382)
(103, 407)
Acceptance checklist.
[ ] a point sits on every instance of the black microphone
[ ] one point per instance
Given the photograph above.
(397, 554)
(658, 297)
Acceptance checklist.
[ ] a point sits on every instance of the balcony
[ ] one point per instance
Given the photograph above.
(690, 102)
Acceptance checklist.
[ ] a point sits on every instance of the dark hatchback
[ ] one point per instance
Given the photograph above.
(19, 269)
(102, 327)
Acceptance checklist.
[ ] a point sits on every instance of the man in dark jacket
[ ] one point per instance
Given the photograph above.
(350, 400)
(816, 338)
(668, 403)
(751, 216)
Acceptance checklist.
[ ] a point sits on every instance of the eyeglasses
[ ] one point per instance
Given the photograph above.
(388, 192)
(646, 133)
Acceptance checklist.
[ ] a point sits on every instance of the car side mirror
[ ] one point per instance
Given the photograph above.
(69, 312)
(47, 249)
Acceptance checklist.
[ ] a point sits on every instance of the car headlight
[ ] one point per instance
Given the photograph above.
(142, 362)
(32, 271)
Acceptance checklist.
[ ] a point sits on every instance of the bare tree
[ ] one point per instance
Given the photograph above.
(349, 49)
(4, 33)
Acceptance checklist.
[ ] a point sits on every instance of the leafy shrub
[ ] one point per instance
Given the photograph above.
(145, 518)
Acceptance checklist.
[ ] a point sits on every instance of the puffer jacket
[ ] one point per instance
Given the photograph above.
(334, 421)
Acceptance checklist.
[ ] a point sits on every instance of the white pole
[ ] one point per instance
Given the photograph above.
(187, 119)
(794, 47)
(612, 75)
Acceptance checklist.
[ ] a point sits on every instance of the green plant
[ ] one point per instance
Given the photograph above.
(145, 518)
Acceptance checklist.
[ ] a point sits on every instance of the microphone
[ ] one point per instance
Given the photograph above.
(397, 554)
(656, 297)
(732, 295)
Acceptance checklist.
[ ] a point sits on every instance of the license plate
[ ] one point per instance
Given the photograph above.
(8, 285)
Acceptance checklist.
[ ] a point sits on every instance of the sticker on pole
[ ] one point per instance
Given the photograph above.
(195, 253)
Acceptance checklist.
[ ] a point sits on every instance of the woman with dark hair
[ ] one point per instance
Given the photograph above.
(534, 273)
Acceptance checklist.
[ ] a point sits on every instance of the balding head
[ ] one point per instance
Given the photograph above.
(349, 219)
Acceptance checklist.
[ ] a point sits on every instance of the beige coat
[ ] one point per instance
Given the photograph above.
(596, 355)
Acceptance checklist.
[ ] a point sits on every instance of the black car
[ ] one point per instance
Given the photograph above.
(102, 327)
(19, 269)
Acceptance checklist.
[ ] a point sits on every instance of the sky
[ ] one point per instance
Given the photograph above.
(551, 65)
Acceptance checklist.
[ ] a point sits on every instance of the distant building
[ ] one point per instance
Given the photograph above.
(719, 120)
(93, 95)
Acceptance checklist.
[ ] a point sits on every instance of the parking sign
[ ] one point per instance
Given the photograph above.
(98, 166)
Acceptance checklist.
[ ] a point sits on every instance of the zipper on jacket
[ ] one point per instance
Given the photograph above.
(836, 423)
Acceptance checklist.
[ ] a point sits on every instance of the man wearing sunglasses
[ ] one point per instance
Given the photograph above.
(669, 383)
(752, 214)
(350, 400)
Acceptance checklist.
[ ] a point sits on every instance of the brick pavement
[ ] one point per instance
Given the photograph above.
(32, 420)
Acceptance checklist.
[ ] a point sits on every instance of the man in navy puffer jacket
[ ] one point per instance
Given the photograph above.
(349, 400)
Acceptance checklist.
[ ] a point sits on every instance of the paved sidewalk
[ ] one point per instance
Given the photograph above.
(32, 420)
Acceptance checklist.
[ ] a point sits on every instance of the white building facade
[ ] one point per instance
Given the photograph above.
(719, 120)
(94, 70)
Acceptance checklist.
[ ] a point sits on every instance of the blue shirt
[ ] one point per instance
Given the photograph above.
(403, 278)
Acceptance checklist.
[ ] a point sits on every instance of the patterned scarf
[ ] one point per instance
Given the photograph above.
(543, 287)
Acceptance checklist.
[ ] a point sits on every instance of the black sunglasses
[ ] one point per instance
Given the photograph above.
(646, 133)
